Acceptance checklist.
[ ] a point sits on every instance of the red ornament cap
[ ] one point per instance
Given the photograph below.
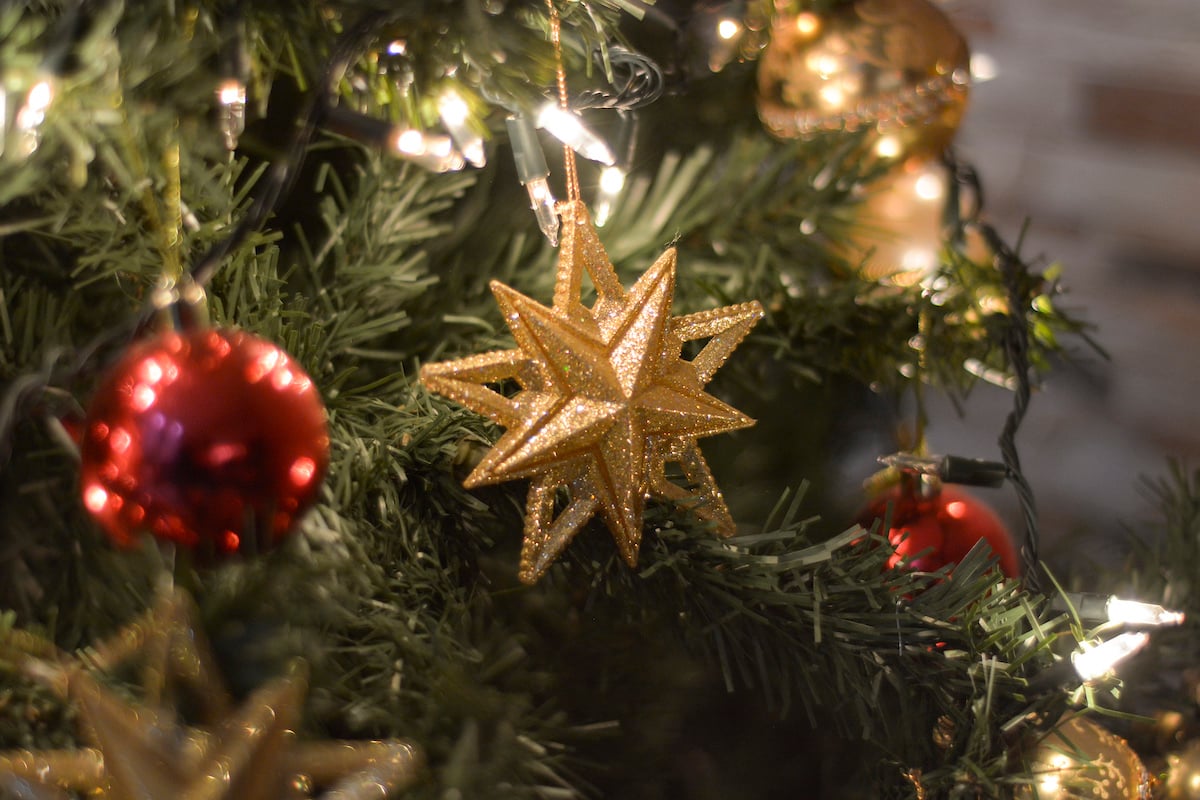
(945, 526)
(213, 439)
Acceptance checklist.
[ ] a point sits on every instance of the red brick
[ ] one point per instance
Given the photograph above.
(1145, 113)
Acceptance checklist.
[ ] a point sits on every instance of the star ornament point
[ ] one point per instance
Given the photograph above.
(606, 399)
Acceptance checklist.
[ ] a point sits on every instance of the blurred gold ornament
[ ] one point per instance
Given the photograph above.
(1183, 773)
(718, 34)
(143, 751)
(900, 227)
(1080, 760)
(606, 399)
(899, 67)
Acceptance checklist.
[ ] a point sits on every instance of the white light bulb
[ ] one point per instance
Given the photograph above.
(410, 142)
(1097, 661)
(728, 28)
(569, 129)
(231, 114)
(40, 96)
(612, 181)
(541, 200)
(231, 92)
(435, 153)
(31, 115)
(1137, 613)
(454, 113)
(452, 108)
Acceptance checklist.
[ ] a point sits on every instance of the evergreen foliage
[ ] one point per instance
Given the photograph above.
(783, 662)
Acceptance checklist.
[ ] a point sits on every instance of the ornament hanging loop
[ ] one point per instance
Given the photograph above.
(560, 74)
(179, 304)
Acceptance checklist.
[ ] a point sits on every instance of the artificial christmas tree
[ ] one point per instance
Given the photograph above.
(345, 181)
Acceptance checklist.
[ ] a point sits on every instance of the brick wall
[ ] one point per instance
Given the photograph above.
(1091, 130)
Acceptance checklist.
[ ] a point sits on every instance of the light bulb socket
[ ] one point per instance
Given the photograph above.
(527, 150)
(362, 128)
(233, 60)
(950, 469)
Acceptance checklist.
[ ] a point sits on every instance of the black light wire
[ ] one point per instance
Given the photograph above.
(282, 174)
(1013, 272)
(637, 81)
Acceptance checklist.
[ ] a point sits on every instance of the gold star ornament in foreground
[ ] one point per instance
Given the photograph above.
(144, 751)
(606, 398)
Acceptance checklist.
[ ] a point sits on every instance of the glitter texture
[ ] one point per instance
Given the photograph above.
(606, 399)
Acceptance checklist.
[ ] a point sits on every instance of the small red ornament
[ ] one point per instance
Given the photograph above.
(944, 527)
(214, 439)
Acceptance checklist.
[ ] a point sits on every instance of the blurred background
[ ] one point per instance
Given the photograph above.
(1088, 131)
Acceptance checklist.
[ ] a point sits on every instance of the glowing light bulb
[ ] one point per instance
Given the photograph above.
(728, 28)
(31, 115)
(541, 200)
(410, 142)
(612, 181)
(231, 111)
(38, 100)
(1137, 613)
(532, 172)
(231, 92)
(455, 113)
(1117, 611)
(569, 129)
(435, 153)
(1097, 661)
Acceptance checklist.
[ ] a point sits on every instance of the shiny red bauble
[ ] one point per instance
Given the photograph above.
(931, 532)
(213, 439)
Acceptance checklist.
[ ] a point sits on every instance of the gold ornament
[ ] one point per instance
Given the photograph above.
(606, 399)
(898, 66)
(899, 227)
(1080, 760)
(1183, 774)
(898, 230)
(144, 752)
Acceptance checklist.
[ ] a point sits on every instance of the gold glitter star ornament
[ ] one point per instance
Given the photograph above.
(606, 398)
(146, 751)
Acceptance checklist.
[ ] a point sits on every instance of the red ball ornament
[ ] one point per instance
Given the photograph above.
(214, 439)
(940, 529)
